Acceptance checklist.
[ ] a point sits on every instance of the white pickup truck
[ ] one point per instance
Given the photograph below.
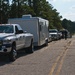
(13, 38)
(54, 34)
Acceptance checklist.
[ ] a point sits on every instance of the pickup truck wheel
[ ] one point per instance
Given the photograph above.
(13, 54)
(46, 42)
(30, 49)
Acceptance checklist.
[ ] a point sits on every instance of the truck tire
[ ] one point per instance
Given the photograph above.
(13, 53)
(46, 42)
(30, 49)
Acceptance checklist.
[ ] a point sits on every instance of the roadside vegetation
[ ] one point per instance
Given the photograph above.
(40, 8)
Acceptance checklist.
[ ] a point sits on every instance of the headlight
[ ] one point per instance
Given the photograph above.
(6, 41)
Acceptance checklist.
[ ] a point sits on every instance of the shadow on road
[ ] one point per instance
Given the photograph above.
(5, 60)
(39, 47)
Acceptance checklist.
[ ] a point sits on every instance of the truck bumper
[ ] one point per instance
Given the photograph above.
(5, 49)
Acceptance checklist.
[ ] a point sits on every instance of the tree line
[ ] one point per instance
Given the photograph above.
(69, 25)
(40, 8)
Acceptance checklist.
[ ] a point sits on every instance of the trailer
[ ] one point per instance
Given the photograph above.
(35, 25)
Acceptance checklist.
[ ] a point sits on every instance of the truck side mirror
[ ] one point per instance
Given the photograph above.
(20, 31)
(16, 32)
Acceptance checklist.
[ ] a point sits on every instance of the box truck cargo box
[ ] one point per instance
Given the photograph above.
(35, 25)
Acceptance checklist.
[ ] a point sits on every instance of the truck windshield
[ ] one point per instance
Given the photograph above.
(6, 29)
(52, 31)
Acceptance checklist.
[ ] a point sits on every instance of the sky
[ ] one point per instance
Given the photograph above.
(66, 8)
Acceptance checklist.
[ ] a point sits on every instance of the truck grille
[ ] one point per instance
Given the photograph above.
(0, 47)
(53, 35)
(0, 43)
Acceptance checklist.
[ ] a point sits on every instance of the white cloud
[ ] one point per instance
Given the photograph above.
(51, 0)
(68, 0)
(61, 0)
(73, 7)
(69, 16)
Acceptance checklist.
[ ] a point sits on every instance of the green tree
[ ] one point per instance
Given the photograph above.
(69, 25)
(56, 19)
(45, 10)
(4, 9)
(15, 8)
(20, 7)
(40, 8)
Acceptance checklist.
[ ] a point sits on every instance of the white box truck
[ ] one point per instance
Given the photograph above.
(35, 25)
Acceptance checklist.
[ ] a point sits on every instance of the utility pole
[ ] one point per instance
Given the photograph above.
(1, 11)
(18, 8)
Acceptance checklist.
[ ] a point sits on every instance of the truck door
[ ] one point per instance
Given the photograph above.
(20, 38)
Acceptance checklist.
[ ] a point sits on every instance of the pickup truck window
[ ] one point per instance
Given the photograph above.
(6, 29)
(17, 30)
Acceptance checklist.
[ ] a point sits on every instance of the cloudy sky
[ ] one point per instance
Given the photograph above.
(66, 8)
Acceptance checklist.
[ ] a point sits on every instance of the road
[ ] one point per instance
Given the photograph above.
(58, 58)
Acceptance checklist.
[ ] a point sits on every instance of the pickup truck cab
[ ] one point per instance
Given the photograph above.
(13, 38)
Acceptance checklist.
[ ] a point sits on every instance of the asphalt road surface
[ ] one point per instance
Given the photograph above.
(58, 58)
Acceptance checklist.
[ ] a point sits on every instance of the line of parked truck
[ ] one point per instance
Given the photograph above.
(25, 32)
